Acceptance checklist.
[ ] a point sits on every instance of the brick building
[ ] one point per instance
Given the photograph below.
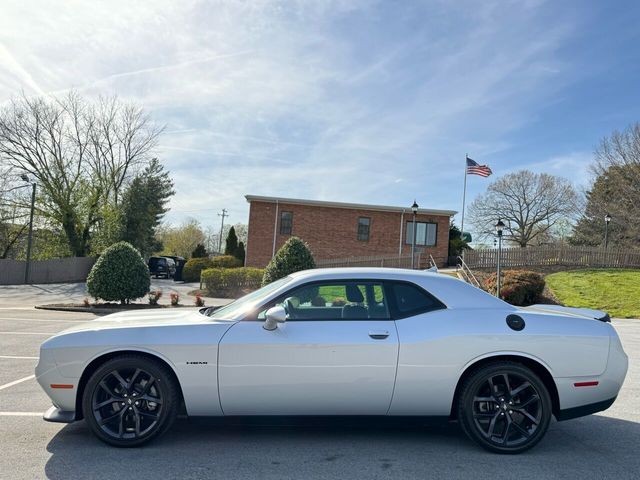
(342, 230)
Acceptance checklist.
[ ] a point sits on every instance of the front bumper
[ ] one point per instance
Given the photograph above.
(50, 379)
(54, 414)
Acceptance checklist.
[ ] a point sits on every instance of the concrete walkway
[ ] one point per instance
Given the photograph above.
(27, 296)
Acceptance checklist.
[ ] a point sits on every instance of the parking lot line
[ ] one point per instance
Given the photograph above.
(20, 414)
(41, 320)
(28, 333)
(15, 357)
(15, 382)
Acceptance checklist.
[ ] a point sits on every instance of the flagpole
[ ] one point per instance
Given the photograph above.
(464, 195)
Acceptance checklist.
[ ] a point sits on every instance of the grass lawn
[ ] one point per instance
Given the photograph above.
(615, 291)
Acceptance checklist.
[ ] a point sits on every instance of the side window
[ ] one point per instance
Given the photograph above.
(334, 301)
(286, 223)
(364, 224)
(426, 233)
(409, 299)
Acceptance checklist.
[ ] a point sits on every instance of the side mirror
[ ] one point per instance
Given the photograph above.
(275, 315)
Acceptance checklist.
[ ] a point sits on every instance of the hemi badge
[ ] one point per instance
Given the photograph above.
(585, 384)
(60, 385)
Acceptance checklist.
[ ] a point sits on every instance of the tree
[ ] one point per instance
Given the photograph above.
(456, 243)
(119, 274)
(81, 154)
(143, 206)
(14, 213)
(241, 232)
(182, 240)
(605, 197)
(529, 204)
(293, 256)
(240, 253)
(615, 191)
(231, 243)
(199, 252)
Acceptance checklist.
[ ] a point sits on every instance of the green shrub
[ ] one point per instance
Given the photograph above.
(231, 282)
(225, 261)
(199, 252)
(519, 287)
(193, 267)
(120, 274)
(292, 257)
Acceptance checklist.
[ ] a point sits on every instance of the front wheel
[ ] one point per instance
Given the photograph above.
(130, 400)
(504, 407)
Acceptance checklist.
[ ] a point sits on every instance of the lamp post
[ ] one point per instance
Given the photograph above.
(607, 219)
(414, 209)
(27, 268)
(499, 228)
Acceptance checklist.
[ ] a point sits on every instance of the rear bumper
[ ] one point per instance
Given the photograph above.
(569, 413)
(54, 414)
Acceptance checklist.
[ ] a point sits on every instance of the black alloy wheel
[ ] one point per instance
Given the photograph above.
(130, 400)
(504, 407)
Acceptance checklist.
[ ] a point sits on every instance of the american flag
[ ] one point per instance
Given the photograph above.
(473, 168)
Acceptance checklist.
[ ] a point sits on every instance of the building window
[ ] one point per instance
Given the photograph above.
(426, 233)
(363, 228)
(286, 223)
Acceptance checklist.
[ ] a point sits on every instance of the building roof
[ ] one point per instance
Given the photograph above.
(354, 206)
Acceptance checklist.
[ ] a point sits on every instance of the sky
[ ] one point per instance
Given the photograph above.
(356, 101)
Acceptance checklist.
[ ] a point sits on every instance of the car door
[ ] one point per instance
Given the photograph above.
(335, 355)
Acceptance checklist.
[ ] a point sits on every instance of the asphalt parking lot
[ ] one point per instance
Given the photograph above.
(600, 446)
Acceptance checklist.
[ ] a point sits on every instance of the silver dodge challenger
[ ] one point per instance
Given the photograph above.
(357, 342)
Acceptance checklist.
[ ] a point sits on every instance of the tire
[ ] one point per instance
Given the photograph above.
(504, 407)
(130, 400)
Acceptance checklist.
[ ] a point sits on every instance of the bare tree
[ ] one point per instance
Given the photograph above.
(81, 155)
(121, 139)
(531, 205)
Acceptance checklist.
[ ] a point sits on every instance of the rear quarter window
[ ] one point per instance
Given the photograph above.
(409, 299)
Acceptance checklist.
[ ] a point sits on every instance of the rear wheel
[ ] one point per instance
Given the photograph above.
(130, 400)
(504, 407)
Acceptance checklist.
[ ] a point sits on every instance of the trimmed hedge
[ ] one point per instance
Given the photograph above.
(293, 256)
(194, 266)
(519, 287)
(120, 274)
(231, 282)
(225, 261)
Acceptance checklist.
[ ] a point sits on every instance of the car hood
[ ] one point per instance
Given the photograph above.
(160, 317)
(569, 312)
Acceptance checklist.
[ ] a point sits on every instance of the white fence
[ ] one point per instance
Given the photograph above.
(59, 270)
(371, 261)
(552, 255)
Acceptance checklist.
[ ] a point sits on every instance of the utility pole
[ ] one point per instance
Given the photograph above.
(222, 214)
(27, 268)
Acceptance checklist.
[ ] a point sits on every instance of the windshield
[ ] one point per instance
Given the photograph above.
(248, 302)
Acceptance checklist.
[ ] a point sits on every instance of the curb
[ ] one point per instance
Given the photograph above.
(63, 308)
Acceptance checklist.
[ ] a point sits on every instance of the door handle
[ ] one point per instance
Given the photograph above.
(378, 334)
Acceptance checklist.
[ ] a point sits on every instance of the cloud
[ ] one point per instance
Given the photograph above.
(343, 100)
(576, 166)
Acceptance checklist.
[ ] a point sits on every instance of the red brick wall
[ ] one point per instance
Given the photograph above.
(333, 232)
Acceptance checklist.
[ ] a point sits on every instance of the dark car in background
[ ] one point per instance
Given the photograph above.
(180, 261)
(162, 267)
